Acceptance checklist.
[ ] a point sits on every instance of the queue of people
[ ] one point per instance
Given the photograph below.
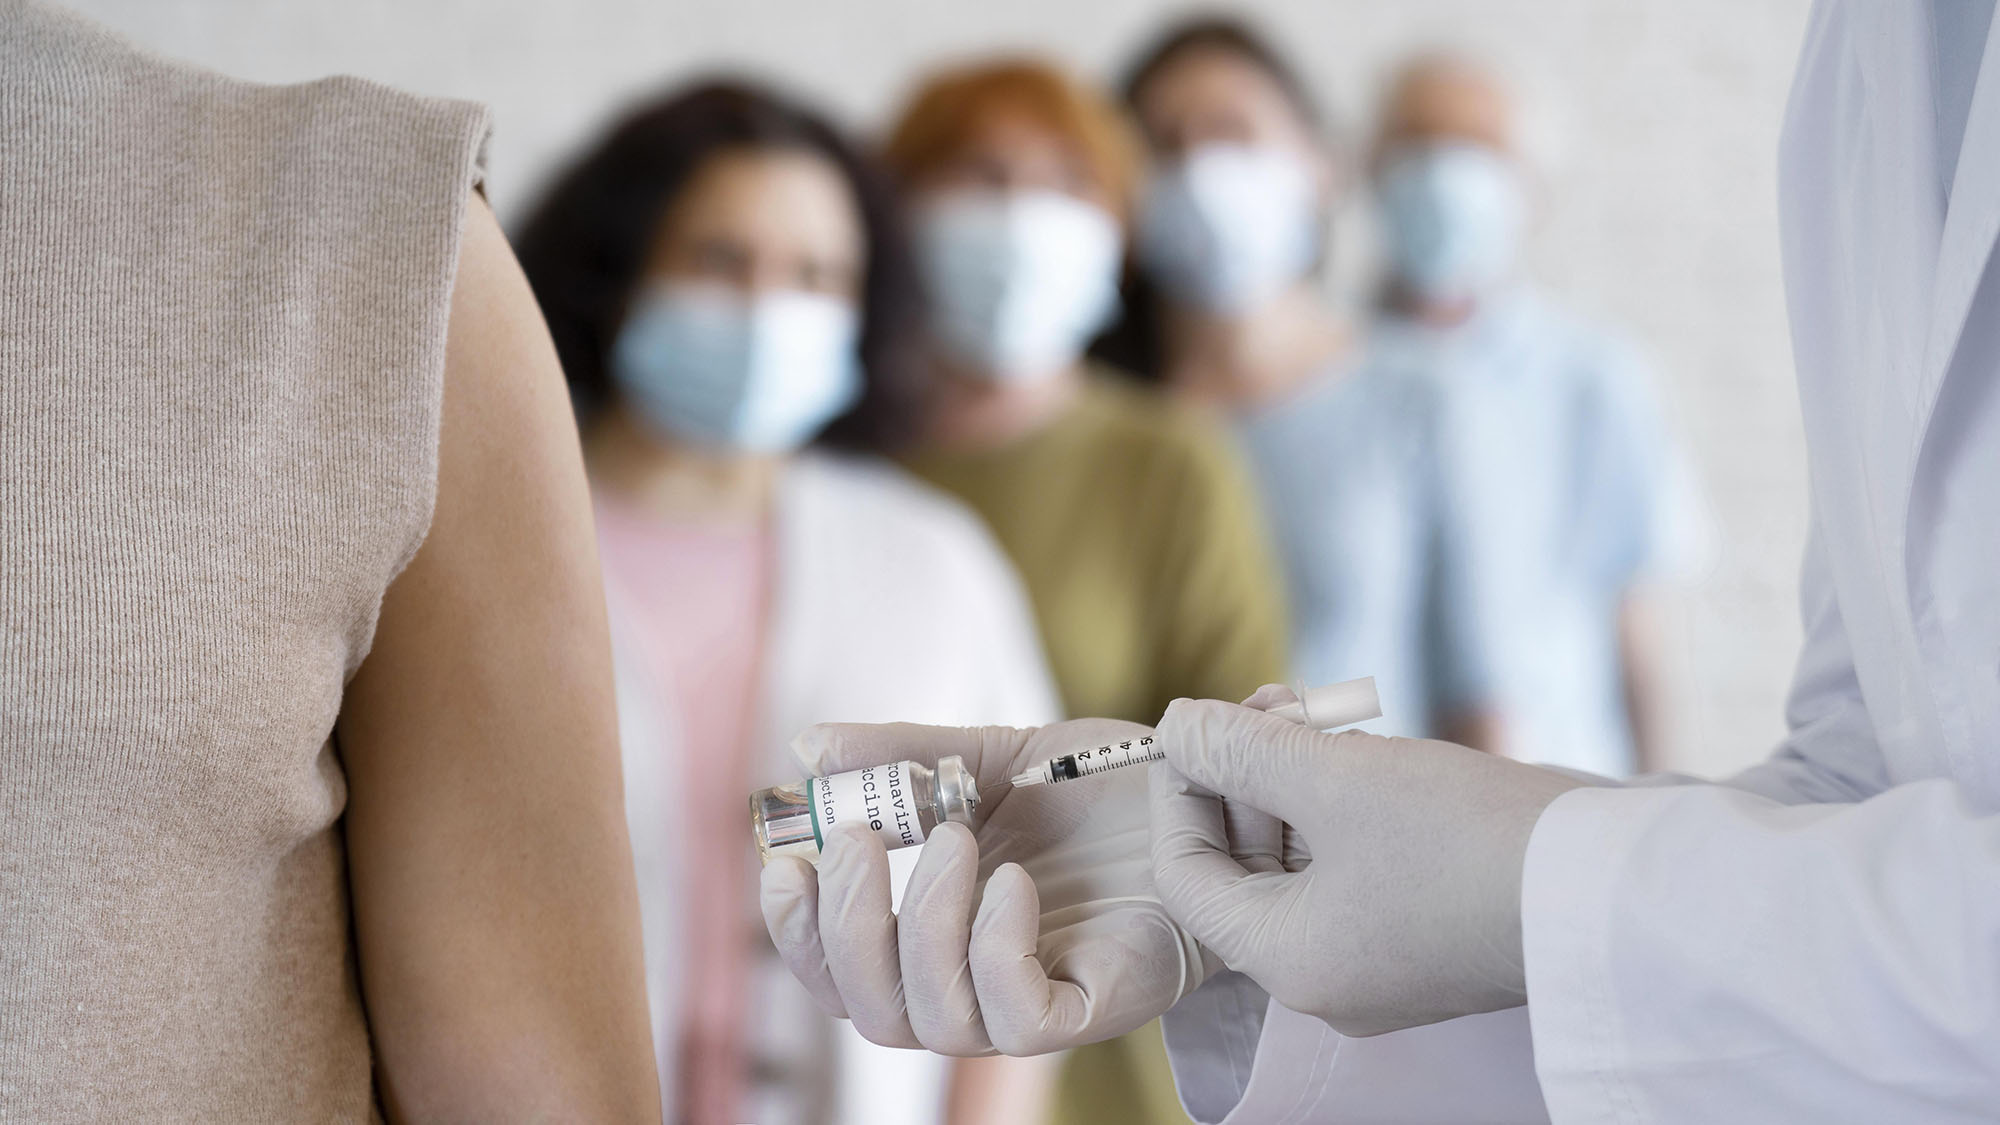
(1032, 403)
(1353, 928)
(1039, 407)
(733, 302)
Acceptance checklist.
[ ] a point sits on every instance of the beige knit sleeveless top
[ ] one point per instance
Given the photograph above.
(222, 326)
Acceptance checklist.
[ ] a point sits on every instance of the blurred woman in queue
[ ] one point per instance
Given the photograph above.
(1132, 521)
(1225, 308)
(1222, 306)
(734, 308)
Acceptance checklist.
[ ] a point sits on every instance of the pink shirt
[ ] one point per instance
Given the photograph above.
(697, 595)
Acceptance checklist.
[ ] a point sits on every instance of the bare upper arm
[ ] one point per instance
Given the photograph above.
(496, 919)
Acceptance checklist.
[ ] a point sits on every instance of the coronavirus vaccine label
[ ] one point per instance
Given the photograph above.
(878, 797)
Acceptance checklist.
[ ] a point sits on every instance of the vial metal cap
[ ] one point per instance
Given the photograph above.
(957, 790)
(783, 822)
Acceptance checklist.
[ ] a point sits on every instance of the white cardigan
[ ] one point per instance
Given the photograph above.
(892, 602)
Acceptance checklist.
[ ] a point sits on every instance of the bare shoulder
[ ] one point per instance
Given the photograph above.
(495, 916)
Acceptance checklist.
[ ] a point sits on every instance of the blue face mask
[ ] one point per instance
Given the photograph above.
(1453, 217)
(1018, 282)
(762, 374)
(1230, 226)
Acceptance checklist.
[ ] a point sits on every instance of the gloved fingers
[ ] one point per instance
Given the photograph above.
(1293, 852)
(1026, 1013)
(1256, 838)
(829, 748)
(1014, 992)
(1048, 982)
(788, 894)
(1225, 907)
(1259, 841)
(858, 931)
(934, 933)
(1269, 696)
(1298, 853)
(1248, 756)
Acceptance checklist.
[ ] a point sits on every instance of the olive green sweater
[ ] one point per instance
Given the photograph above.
(1140, 542)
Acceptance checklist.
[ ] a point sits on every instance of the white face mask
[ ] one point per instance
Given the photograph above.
(763, 374)
(1230, 226)
(1018, 282)
(1453, 216)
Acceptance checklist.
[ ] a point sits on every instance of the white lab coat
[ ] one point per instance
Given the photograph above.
(1820, 939)
(892, 602)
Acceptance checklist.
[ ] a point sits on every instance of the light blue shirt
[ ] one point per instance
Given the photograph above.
(1562, 491)
(1346, 469)
(1813, 941)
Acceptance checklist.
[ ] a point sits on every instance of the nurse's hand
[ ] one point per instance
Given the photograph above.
(1035, 930)
(1407, 911)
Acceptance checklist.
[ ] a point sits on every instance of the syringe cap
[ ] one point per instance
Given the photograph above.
(1334, 705)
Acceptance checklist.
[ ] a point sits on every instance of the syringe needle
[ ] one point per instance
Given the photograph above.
(1320, 708)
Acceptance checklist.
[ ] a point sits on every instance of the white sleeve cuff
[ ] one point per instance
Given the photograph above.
(1574, 863)
(1239, 1059)
(1212, 1037)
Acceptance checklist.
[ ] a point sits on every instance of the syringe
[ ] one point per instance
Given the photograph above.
(1321, 708)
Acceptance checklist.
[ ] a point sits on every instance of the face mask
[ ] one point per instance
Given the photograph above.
(1454, 215)
(762, 374)
(1018, 282)
(1231, 226)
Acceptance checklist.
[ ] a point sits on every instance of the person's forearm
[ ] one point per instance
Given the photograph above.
(999, 1090)
(1480, 728)
(1643, 676)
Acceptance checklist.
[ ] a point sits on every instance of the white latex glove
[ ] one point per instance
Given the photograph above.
(1068, 943)
(1407, 908)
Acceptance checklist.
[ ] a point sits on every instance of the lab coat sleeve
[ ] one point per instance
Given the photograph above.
(1806, 943)
(1240, 1058)
(1802, 995)
(1830, 753)
(1703, 953)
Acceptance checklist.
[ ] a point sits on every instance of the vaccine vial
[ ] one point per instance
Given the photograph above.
(901, 802)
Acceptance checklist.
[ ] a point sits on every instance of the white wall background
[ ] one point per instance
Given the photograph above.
(1662, 213)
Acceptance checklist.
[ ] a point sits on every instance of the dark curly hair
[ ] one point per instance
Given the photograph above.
(585, 244)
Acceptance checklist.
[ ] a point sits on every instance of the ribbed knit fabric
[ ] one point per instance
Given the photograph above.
(222, 325)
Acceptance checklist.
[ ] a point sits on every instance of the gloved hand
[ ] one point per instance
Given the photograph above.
(1068, 943)
(1407, 908)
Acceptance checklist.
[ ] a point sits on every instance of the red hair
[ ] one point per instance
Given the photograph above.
(951, 105)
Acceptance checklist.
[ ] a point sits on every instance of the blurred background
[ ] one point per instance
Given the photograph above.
(1660, 122)
(1472, 489)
